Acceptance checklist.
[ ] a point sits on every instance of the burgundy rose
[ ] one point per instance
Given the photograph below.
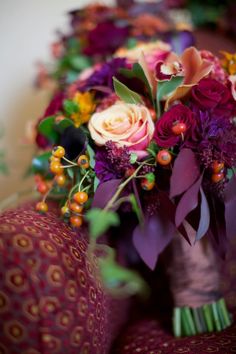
(210, 94)
(173, 125)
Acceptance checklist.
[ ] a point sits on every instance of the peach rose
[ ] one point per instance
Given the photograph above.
(125, 124)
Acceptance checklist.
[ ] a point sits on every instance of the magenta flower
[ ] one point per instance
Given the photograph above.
(210, 94)
(166, 134)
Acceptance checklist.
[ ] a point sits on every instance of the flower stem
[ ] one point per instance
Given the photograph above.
(122, 186)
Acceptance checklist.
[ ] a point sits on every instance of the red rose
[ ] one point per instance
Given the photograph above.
(210, 94)
(166, 135)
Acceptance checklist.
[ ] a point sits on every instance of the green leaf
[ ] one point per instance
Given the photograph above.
(125, 93)
(119, 280)
(79, 62)
(70, 171)
(136, 208)
(138, 73)
(100, 221)
(150, 177)
(165, 87)
(70, 107)
(153, 149)
(91, 154)
(46, 128)
(95, 183)
(131, 43)
(63, 124)
(40, 164)
(133, 158)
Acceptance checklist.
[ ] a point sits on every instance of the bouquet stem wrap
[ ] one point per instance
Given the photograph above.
(194, 283)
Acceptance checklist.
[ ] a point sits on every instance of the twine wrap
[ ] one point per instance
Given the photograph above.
(193, 272)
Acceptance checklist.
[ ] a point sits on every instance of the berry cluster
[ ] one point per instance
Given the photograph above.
(77, 197)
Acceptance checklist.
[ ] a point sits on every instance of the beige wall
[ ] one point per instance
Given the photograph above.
(27, 27)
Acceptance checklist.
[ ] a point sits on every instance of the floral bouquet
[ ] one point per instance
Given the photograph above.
(144, 147)
(97, 31)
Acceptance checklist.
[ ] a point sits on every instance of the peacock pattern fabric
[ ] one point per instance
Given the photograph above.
(51, 299)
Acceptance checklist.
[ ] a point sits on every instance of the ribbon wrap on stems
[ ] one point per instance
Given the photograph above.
(194, 283)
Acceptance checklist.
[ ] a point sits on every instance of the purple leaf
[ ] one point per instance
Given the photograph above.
(170, 209)
(105, 192)
(188, 202)
(204, 222)
(230, 207)
(185, 172)
(151, 238)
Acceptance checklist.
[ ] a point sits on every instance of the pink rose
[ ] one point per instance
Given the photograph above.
(179, 116)
(125, 124)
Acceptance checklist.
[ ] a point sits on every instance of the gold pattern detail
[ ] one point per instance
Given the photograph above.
(48, 248)
(4, 302)
(22, 242)
(71, 290)
(14, 330)
(75, 253)
(7, 228)
(82, 278)
(48, 304)
(32, 231)
(64, 319)
(76, 336)
(31, 309)
(15, 280)
(56, 239)
(55, 275)
(68, 262)
(52, 344)
(82, 306)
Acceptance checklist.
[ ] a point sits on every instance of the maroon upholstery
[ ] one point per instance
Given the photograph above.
(51, 301)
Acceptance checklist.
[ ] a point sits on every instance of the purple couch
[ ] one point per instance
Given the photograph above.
(51, 300)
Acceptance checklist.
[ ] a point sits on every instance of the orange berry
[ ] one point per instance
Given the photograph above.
(38, 178)
(129, 172)
(60, 180)
(83, 161)
(163, 157)
(55, 159)
(56, 168)
(179, 128)
(58, 151)
(42, 207)
(76, 221)
(76, 208)
(65, 211)
(80, 197)
(42, 187)
(217, 177)
(217, 166)
(146, 185)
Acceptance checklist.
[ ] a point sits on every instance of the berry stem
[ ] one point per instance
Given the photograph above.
(82, 180)
(69, 161)
(122, 186)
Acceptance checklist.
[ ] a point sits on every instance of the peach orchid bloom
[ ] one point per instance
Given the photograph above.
(192, 67)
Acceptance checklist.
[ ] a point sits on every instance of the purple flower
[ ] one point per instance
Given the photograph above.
(104, 75)
(105, 39)
(213, 139)
(112, 162)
